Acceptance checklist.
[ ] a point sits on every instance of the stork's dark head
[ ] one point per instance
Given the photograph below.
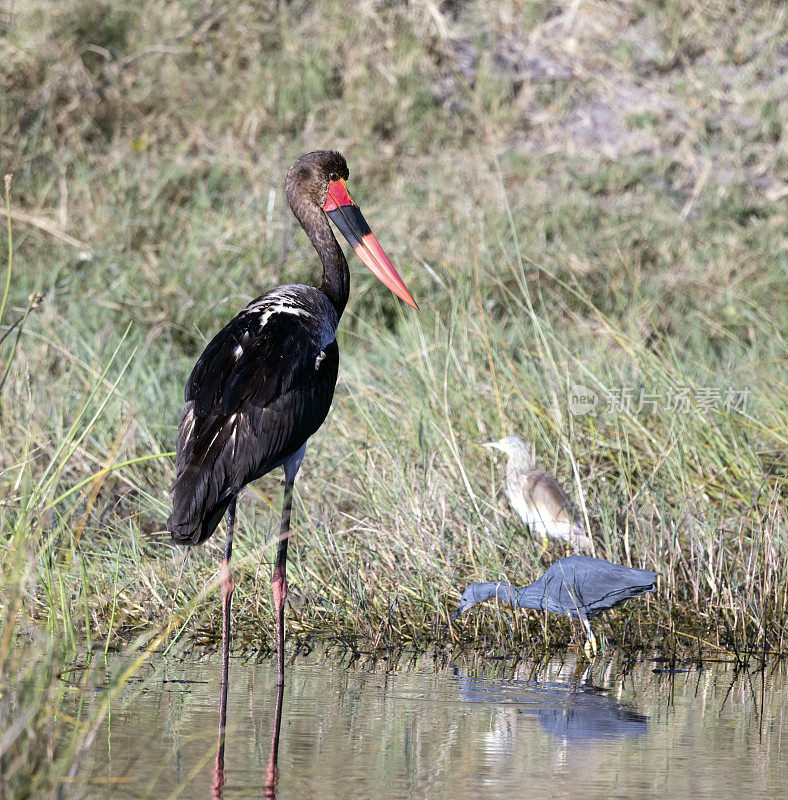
(316, 183)
(309, 178)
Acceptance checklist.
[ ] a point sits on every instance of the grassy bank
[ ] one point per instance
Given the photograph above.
(576, 193)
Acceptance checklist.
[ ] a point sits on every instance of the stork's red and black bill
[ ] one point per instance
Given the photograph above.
(346, 215)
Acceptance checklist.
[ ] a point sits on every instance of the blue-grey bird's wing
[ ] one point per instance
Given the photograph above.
(586, 586)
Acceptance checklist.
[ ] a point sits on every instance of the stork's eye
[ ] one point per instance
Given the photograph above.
(333, 176)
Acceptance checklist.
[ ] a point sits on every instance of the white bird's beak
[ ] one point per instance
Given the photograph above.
(490, 445)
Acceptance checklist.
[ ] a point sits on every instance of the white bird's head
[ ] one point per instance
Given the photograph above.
(518, 450)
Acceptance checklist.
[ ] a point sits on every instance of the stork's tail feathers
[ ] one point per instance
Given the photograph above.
(196, 510)
(204, 486)
(187, 530)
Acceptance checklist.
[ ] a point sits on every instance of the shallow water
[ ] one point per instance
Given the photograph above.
(467, 728)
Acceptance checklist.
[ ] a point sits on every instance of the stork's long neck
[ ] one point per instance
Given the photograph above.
(336, 275)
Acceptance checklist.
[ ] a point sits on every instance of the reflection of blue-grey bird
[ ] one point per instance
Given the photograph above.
(580, 586)
(539, 498)
(567, 711)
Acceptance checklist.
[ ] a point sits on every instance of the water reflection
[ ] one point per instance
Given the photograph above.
(272, 771)
(462, 727)
(218, 778)
(574, 711)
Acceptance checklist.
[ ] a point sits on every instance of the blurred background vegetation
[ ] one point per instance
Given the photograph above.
(575, 192)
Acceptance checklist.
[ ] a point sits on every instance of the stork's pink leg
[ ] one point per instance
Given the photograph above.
(280, 583)
(228, 587)
(280, 597)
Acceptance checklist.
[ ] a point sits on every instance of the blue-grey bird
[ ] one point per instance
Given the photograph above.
(580, 586)
(538, 497)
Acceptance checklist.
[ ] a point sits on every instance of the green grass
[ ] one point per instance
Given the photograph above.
(619, 225)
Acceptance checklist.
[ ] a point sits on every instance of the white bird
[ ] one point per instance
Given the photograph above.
(538, 498)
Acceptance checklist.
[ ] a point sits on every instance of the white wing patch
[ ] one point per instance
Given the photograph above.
(299, 301)
(187, 426)
(231, 422)
(280, 308)
(280, 301)
(319, 360)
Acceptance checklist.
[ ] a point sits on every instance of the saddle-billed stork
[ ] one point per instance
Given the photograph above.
(265, 382)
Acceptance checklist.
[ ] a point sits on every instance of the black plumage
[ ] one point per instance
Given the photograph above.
(260, 389)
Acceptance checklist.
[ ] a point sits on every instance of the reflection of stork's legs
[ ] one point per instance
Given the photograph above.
(272, 774)
(228, 585)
